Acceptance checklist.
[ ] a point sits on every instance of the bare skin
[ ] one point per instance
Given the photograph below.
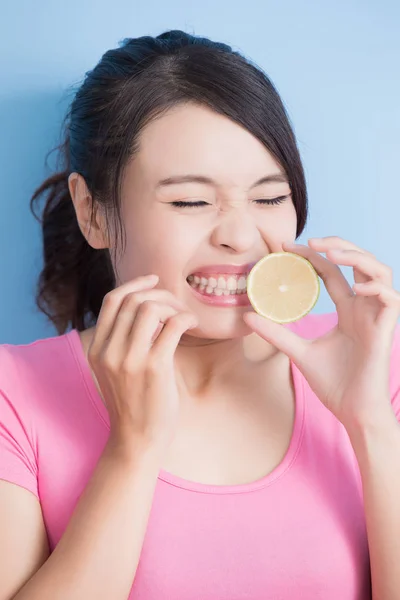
(233, 385)
(258, 410)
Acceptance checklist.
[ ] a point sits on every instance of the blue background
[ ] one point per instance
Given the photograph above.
(335, 64)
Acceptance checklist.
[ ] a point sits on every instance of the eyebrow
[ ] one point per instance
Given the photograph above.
(273, 178)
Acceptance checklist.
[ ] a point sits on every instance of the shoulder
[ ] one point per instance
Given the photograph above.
(29, 385)
(43, 348)
(394, 375)
(396, 340)
(27, 370)
(314, 325)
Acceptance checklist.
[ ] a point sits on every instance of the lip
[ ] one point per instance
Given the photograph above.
(224, 269)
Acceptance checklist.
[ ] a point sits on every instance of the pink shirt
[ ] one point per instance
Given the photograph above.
(298, 532)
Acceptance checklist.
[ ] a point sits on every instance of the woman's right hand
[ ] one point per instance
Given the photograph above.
(132, 357)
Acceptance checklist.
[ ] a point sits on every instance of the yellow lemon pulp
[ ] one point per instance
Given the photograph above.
(283, 287)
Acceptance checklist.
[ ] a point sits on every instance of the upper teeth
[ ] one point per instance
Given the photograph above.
(229, 283)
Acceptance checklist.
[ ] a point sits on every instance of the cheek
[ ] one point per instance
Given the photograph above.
(173, 247)
(162, 246)
(282, 226)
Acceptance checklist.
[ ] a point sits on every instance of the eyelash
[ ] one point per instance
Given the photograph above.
(265, 201)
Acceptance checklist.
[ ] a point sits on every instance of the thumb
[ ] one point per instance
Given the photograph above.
(278, 335)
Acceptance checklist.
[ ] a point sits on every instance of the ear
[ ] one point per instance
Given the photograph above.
(95, 232)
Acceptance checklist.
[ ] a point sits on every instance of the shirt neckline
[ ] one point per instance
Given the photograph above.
(75, 344)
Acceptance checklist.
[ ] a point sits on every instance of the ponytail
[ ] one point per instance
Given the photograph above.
(75, 276)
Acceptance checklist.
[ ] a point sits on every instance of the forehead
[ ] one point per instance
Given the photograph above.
(194, 138)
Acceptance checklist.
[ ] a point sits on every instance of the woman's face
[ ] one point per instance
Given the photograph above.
(229, 229)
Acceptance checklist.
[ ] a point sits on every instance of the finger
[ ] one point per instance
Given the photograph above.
(335, 282)
(334, 241)
(124, 308)
(386, 294)
(149, 321)
(128, 311)
(278, 335)
(387, 318)
(165, 346)
(366, 264)
(111, 305)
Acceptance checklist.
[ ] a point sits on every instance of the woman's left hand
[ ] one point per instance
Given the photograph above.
(348, 367)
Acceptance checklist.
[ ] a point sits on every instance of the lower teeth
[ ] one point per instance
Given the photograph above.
(223, 292)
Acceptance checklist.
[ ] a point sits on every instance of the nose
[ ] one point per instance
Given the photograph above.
(236, 229)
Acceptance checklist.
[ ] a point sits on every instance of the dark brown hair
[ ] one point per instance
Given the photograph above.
(130, 86)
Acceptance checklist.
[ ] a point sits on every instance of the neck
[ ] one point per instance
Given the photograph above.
(211, 368)
(205, 367)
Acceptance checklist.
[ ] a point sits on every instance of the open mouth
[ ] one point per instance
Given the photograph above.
(219, 285)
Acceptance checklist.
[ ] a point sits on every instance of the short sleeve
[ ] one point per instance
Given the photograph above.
(394, 377)
(18, 462)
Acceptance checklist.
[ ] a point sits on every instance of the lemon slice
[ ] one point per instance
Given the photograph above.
(283, 287)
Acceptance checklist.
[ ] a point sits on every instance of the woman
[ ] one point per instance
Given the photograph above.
(173, 444)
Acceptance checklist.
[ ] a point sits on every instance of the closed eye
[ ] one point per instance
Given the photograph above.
(184, 203)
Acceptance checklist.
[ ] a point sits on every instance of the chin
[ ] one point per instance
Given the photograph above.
(220, 331)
